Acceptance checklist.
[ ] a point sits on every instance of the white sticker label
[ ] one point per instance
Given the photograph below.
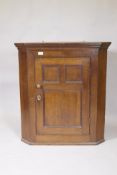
(40, 53)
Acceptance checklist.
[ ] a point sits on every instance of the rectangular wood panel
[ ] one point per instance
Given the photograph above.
(69, 112)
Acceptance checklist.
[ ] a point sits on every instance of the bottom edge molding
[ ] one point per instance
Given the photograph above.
(67, 144)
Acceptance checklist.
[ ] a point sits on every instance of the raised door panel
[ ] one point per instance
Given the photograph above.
(68, 113)
(63, 103)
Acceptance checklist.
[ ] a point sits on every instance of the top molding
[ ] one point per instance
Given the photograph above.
(64, 44)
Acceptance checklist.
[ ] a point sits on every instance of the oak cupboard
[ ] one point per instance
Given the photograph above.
(62, 91)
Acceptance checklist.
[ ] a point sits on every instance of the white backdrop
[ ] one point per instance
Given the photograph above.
(54, 20)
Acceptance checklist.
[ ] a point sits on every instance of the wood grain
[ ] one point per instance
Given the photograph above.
(70, 81)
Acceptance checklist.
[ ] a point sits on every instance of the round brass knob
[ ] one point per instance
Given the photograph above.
(38, 86)
(38, 97)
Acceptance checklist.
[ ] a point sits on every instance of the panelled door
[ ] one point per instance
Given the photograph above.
(62, 96)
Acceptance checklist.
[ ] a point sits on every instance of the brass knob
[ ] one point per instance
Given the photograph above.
(38, 97)
(38, 85)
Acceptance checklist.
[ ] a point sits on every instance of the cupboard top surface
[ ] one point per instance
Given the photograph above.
(65, 44)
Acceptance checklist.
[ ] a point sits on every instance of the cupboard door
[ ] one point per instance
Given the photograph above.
(62, 96)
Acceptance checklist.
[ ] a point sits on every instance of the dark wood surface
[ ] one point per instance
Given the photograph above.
(62, 92)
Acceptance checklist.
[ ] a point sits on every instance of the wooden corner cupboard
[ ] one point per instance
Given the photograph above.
(62, 90)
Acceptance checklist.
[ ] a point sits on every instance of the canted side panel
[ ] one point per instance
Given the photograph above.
(93, 95)
(98, 86)
(31, 95)
(101, 94)
(25, 122)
